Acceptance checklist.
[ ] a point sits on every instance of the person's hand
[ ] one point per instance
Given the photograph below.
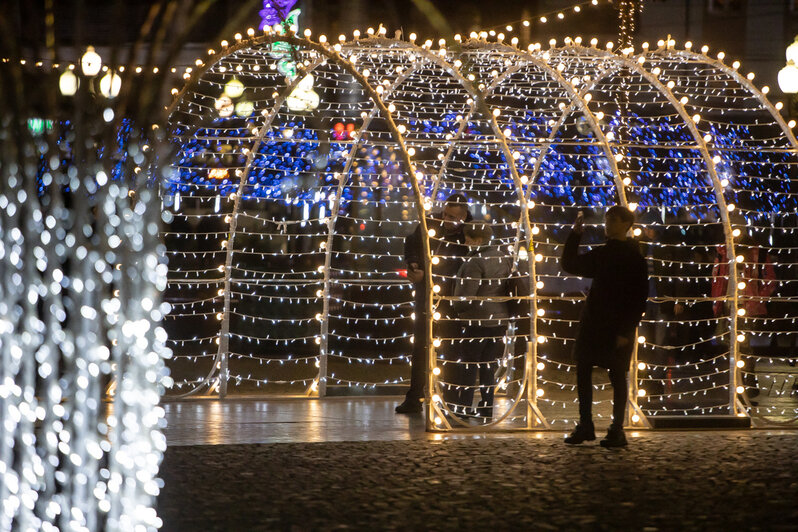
(414, 273)
(621, 341)
(578, 228)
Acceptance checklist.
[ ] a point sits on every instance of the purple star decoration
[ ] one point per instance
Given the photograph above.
(274, 11)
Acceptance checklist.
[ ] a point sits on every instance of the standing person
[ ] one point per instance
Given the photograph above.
(759, 278)
(483, 274)
(614, 306)
(448, 245)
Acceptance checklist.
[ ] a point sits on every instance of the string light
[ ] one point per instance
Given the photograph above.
(323, 211)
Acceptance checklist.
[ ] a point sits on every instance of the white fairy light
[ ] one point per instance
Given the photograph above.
(427, 100)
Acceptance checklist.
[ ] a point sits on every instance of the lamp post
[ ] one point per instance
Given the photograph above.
(788, 77)
(90, 65)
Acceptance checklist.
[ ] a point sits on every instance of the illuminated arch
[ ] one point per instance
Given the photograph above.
(420, 63)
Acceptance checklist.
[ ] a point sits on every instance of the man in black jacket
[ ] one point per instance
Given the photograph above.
(614, 306)
(448, 244)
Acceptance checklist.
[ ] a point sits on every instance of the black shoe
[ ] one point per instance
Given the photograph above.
(409, 406)
(485, 411)
(582, 432)
(614, 438)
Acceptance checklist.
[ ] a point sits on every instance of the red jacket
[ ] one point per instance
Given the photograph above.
(759, 279)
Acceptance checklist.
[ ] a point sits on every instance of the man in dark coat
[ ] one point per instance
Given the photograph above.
(448, 244)
(614, 306)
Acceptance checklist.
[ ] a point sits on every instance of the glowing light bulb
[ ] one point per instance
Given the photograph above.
(541, 366)
(641, 366)
(234, 88)
(91, 62)
(436, 370)
(68, 83)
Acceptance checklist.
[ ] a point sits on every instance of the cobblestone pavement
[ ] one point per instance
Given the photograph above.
(708, 480)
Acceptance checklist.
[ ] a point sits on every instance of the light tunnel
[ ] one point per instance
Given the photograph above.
(293, 194)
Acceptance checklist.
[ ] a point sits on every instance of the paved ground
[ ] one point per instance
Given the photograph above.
(746, 480)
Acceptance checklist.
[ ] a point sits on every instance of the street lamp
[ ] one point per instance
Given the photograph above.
(91, 62)
(792, 51)
(788, 77)
(68, 83)
(110, 85)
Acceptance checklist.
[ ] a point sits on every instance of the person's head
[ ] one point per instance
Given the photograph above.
(477, 234)
(748, 247)
(651, 233)
(455, 213)
(618, 221)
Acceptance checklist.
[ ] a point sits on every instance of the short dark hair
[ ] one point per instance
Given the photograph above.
(457, 200)
(478, 231)
(621, 213)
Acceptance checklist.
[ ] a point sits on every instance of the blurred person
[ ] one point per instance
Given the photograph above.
(612, 311)
(759, 276)
(449, 245)
(484, 274)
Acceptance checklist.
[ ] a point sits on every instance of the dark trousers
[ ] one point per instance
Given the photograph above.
(584, 389)
(418, 356)
(418, 359)
(479, 356)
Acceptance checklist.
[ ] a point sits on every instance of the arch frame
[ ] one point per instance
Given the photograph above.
(480, 104)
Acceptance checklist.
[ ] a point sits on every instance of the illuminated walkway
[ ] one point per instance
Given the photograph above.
(211, 422)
